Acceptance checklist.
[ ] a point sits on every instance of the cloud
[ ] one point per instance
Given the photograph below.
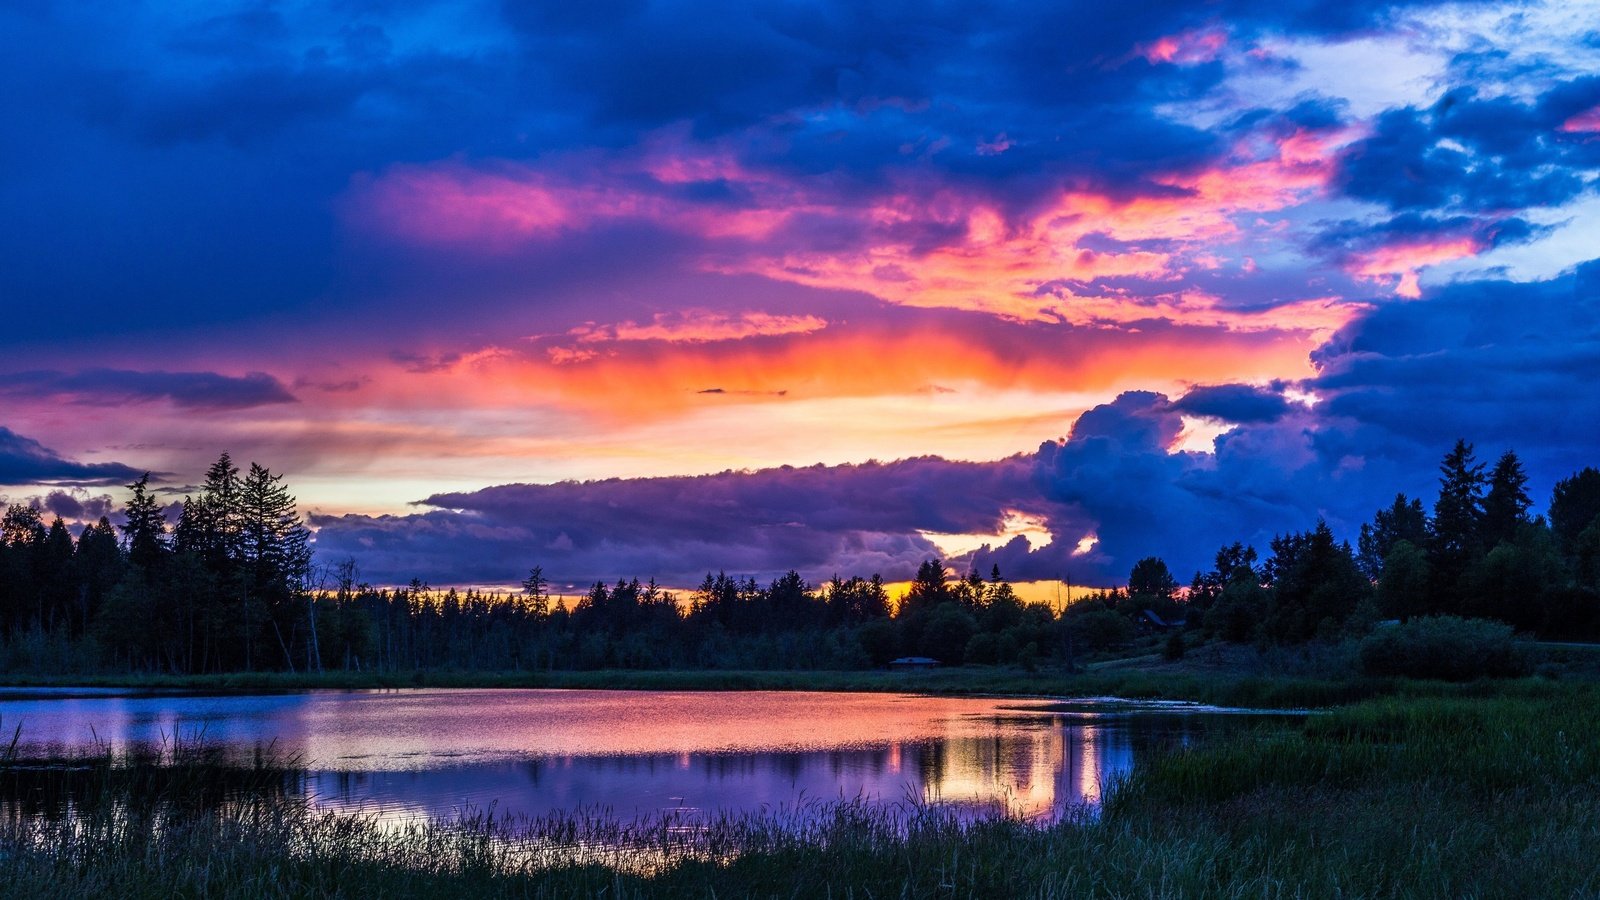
(1472, 153)
(185, 390)
(76, 504)
(1397, 249)
(26, 461)
(852, 518)
(1504, 365)
(1237, 403)
(698, 326)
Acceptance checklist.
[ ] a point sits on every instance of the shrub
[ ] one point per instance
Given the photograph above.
(1174, 649)
(1444, 647)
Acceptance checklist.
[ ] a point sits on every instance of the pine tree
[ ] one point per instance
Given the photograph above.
(1505, 507)
(1457, 539)
(146, 530)
(537, 591)
(275, 549)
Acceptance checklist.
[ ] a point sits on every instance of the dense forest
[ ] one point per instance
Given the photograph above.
(231, 586)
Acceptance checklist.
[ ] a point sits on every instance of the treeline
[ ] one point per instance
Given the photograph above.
(230, 586)
(224, 588)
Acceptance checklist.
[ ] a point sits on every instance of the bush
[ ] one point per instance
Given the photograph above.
(1444, 647)
(1174, 649)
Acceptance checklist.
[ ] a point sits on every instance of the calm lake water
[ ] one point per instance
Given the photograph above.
(431, 753)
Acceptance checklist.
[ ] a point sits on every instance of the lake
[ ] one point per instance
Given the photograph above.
(435, 753)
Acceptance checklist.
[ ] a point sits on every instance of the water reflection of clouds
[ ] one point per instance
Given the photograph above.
(1038, 774)
(436, 753)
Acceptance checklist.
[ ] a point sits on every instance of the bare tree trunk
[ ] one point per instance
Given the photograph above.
(314, 651)
(288, 657)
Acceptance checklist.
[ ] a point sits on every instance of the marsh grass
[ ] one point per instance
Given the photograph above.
(1477, 791)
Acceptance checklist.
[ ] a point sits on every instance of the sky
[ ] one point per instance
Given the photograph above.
(639, 288)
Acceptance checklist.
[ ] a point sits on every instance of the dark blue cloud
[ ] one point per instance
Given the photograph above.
(820, 520)
(24, 461)
(186, 390)
(1344, 240)
(1502, 363)
(1474, 154)
(1236, 403)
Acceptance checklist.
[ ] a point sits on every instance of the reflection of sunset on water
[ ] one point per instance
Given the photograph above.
(425, 753)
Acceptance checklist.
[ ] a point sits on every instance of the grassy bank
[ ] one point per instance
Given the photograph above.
(1406, 796)
(1225, 686)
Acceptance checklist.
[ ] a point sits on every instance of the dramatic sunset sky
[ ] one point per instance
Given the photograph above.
(653, 288)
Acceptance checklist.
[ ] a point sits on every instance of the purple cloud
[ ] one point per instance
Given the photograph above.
(186, 390)
(26, 461)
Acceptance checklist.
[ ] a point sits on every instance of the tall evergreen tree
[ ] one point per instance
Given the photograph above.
(145, 532)
(1457, 538)
(1505, 507)
(275, 550)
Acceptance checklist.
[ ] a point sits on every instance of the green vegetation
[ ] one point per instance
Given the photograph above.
(1444, 647)
(1493, 795)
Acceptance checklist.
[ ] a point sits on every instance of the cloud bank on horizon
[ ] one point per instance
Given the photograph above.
(589, 281)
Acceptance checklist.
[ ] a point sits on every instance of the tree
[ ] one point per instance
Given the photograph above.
(1505, 507)
(1315, 584)
(1403, 589)
(1404, 520)
(1150, 582)
(928, 589)
(1457, 539)
(99, 563)
(1574, 505)
(146, 529)
(537, 591)
(275, 550)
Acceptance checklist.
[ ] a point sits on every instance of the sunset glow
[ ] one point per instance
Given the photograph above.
(469, 273)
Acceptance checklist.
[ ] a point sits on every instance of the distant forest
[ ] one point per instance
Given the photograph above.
(230, 586)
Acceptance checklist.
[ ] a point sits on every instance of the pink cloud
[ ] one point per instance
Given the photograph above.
(1404, 261)
(697, 326)
(1586, 122)
(1036, 265)
(1185, 48)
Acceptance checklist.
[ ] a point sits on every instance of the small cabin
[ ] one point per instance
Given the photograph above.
(913, 662)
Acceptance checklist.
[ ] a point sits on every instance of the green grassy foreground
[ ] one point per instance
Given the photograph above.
(1447, 796)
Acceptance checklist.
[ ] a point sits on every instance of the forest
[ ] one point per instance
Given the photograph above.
(231, 586)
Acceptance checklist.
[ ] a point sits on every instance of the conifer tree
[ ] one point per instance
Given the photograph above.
(1505, 507)
(1457, 537)
(145, 532)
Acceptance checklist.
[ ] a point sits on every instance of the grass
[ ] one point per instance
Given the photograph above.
(1312, 676)
(1482, 790)
(1258, 691)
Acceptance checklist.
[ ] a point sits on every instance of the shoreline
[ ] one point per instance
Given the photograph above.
(1218, 688)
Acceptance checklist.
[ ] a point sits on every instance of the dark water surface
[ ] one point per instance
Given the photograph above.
(634, 753)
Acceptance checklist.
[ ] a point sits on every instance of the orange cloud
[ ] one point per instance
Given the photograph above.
(646, 379)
